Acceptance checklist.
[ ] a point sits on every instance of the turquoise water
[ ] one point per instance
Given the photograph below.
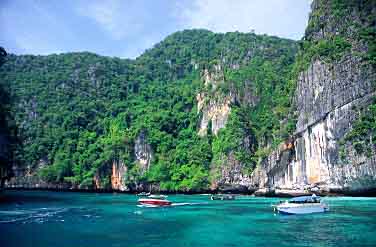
(83, 219)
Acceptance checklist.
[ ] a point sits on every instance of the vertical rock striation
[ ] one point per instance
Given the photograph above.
(143, 152)
(118, 176)
(327, 99)
(214, 106)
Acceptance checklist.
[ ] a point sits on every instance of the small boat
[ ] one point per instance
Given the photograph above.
(302, 205)
(144, 194)
(222, 197)
(155, 201)
(157, 196)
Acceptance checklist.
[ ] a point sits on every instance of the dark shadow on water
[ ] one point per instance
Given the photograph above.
(21, 198)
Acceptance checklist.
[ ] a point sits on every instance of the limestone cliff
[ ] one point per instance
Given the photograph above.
(27, 177)
(143, 152)
(118, 176)
(327, 99)
(214, 106)
(118, 172)
(231, 175)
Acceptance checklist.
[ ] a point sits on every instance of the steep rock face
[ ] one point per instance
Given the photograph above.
(27, 178)
(327, 98)
(230, 175)
(325, 102)
(214, 105)
(216, 112)
(324, 88)
(215, 108)
(115, 176)
(100, 179)
(143, 152)
(357, 172)
(214, 77)
(118, 176)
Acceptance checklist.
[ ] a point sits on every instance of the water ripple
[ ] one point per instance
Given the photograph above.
(42, 215)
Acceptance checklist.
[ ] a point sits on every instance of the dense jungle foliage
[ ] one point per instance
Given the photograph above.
(78, 112)
(7, 129)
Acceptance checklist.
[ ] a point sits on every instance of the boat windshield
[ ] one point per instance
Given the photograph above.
(305, 199)
(157, 196)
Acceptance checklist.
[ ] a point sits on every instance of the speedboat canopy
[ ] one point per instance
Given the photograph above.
(305, 199)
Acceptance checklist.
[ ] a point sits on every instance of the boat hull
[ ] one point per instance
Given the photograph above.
(222, 197)
(154, 202)
(303, 209)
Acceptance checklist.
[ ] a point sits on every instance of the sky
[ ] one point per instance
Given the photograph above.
(125, 28)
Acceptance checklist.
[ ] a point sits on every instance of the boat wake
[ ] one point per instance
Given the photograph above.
(149, 206)
(42, 215)
(173, 205)
(188, 203)
(27, 216)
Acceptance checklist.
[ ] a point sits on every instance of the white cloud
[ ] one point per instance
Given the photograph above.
(116, 17)
(286, 18)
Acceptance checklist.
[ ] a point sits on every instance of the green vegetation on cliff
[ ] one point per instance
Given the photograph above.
(335, 26)
(7, 129)
(363, 132)
(77, 113)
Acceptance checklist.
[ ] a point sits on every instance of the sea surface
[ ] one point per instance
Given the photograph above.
(41, 218)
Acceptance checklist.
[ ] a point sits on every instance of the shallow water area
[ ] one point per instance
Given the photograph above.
(41, 218)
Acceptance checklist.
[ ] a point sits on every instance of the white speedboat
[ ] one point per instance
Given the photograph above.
(222, 197)
(302, 205)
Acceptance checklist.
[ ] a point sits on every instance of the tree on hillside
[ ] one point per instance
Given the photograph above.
(5, 132)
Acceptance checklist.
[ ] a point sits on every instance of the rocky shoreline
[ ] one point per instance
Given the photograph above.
(257, 193)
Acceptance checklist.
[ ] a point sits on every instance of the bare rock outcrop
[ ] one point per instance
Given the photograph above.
(327, 99)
